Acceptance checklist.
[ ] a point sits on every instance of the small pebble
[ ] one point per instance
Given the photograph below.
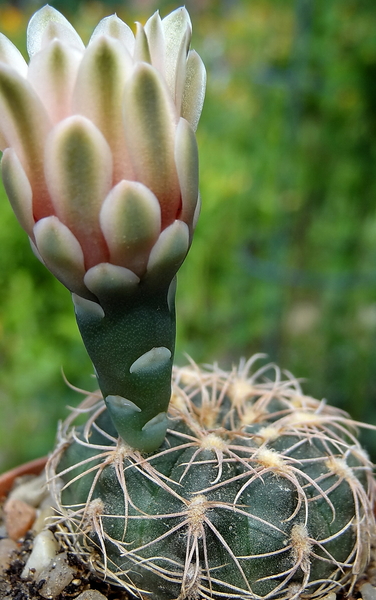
(43, 553)
(31, 491)
(19, 517)
(45, 512)
(7, 547)
(368, 591)
(91, 595)
(57, 576)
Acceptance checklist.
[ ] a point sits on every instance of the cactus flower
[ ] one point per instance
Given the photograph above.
(100, 160)
(100, 165)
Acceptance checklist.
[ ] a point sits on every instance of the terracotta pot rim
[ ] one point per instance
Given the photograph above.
(33, 467)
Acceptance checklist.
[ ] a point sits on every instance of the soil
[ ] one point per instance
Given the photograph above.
(13, 587)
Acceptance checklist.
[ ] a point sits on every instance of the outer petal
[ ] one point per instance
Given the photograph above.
(181, 65)
(53, 72)
(194, 89)
(197, 213)
(106, 280)
(79, 173)
(186, 158)
(18, 189)
(177, 29)
(168, 253)
(10, 55)
(24, 125)
(131, 222)
(150, 123)
(61, 253)
(141, 49)
(99, 95)
(45, 25)
(114, 27)
(155, 35)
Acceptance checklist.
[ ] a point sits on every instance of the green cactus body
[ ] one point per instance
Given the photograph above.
(257, 492)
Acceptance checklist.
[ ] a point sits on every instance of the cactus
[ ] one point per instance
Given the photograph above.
(244, 487)
(258, 491)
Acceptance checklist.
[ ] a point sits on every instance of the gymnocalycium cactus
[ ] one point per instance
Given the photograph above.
(258, 491)
(247, 489)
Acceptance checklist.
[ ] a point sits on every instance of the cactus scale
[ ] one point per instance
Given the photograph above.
(258, 491)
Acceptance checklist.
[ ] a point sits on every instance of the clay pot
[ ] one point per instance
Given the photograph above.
(34, 467)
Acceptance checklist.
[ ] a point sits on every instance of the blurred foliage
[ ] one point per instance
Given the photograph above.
(284, 256)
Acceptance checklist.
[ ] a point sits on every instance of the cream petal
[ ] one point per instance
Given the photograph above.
(155, 36)
(197, 212)
(61, 253)
(194, 89)
(150, 124)
(177, 30)
(10, 55)
(131, 222)
(35, 250)
(18, 189)
(45, 25)
(168, 253)
(78, 168)
(98, 95)
(53, 73)
(106, 280)
(115, 28)
(181, 67)
(141, 49)
(87, 310)
(186, 159)
(24, 125)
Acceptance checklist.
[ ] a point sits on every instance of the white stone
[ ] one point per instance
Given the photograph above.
(91, 595)
(43, 553)
(368, 591)
(57, 575)
(32, 492)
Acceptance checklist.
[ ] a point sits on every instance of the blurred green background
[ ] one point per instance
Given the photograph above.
(284, 258)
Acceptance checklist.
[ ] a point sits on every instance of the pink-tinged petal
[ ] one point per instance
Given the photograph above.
(24, 125)
(61, 253)
(131, 222)
(53, 73)
(78, 168)
(141, 49)
(168, 253)
(98, 95)
(194, 89)
(107, 280)
(186, 159)
(18, 189)
(47, 24)
(10, 55)
(150, 124)
(177, 30)
(155, 35)
(115, 28)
